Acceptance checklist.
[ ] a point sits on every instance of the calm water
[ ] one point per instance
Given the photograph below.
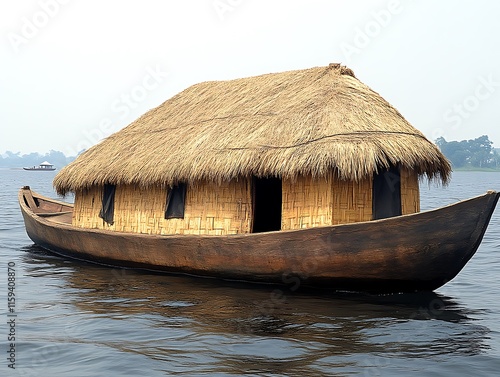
(76, 319)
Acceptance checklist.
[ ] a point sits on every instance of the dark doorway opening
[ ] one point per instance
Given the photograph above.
(176, 199)
(387, 194)
(108, 204)
(267, 196)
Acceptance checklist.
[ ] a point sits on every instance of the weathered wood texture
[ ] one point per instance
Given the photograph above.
(405, 253)
(41, 207)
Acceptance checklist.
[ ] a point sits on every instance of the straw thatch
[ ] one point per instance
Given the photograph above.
(306, 122)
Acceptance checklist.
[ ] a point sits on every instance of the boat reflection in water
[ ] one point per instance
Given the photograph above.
(239, 327)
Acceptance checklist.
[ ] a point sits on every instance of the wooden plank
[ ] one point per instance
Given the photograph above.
(28, 196)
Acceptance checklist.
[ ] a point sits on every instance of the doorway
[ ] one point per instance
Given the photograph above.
(267, 197)
(387, 193)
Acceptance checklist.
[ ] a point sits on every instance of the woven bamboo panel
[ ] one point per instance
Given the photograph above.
(306, 202)
(87, 206)
(410, 192)
(139, 210)
(352, 201)
(210, 209)
(309, 202)
(218, 209)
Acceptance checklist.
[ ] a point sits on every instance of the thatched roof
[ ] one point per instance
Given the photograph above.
(285, 124)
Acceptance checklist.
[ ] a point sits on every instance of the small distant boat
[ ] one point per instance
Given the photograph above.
(44, 166)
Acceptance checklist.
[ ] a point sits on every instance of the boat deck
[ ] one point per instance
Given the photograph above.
(61, 217)
(53, 210)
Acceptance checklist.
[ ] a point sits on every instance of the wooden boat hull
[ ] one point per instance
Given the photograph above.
(418, 252)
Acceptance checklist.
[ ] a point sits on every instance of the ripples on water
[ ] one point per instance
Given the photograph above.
(84, 320)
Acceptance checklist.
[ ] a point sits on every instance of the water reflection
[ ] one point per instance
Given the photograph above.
(230, 327)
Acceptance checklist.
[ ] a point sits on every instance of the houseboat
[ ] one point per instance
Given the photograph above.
(304, 175)
(44, 166)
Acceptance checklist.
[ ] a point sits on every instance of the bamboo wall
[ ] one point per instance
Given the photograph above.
(306, 202)
(87, 205)
(309, 202)
(227, 208)
(352, 201)
(210, 209)
(410, 192)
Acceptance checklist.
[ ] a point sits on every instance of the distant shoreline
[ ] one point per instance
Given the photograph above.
(487, 170)
(17, 168)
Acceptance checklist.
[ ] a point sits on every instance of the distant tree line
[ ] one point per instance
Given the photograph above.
(16, 160)
(474, 153)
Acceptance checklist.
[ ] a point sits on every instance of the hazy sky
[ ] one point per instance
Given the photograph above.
(74, 71)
